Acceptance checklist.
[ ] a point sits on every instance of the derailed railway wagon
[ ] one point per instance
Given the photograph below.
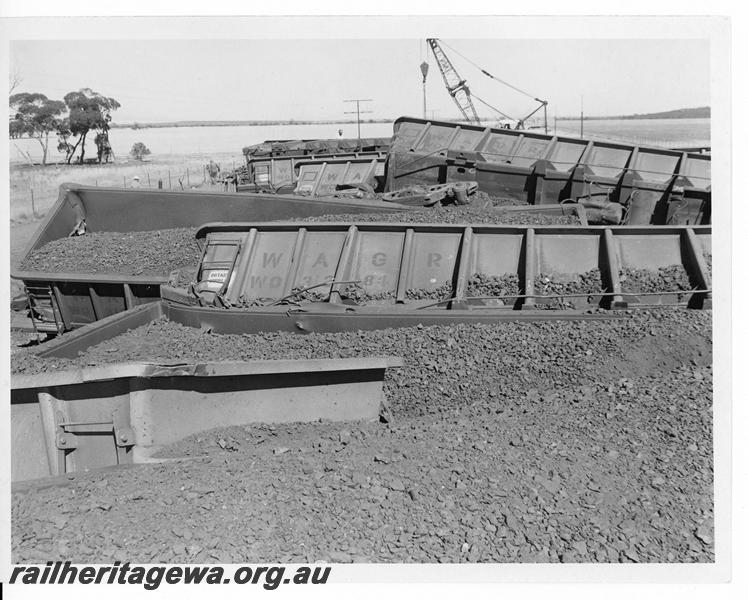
(281, 174)
(406, 273)
(329, 177)
(274, 164)
(62, 301)
(124, 413)
(654, 186)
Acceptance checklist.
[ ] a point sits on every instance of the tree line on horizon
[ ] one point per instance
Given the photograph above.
(72, 119)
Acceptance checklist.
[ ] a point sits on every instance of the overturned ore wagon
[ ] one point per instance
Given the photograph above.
(333, 277)
(281, 174)
(124, 413)
(61, 301)
(274, 164)
(653, 185)
(327, 178)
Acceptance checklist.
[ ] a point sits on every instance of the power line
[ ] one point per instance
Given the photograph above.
(358, 113)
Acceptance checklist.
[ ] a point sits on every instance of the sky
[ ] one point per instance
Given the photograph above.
(224, 79)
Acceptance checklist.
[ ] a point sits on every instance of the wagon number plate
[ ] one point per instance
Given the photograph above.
(219, 275)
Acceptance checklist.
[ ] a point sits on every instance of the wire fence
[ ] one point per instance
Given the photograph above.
(179, 179)
(31, 198)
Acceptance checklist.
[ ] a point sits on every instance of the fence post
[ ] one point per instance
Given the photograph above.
(148, 175)
(169, 178)
(33, 206)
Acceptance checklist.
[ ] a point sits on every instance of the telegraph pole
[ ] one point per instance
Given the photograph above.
(358, 112)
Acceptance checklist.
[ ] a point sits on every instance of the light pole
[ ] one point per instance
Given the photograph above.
(358, 113)
(425, 71)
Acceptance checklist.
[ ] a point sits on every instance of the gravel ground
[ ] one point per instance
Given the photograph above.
(21, 339)
(567, 441)
(446, 366)
(136, 253)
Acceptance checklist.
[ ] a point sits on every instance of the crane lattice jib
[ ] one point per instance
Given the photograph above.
(456, 86)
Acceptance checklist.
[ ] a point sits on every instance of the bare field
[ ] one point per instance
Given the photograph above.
(45, 181)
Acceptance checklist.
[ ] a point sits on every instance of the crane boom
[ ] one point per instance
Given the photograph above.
(456, 86)
(460, 92)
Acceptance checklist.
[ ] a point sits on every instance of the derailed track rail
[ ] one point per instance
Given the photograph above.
(400, 267)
